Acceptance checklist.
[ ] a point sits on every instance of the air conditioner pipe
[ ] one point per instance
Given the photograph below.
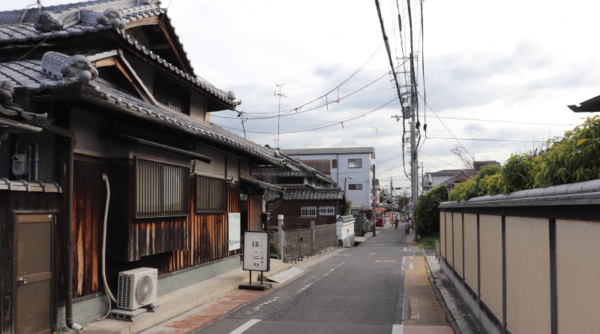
(69, 281)
(108, 293)
(36, 159)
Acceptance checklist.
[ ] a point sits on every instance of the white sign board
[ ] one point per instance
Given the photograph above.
(257, 255)
(235, 235)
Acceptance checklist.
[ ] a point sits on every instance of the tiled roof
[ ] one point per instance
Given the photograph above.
(308, 171)
(302, 194)
(35, 186)
(137, 107)
(329, 150)
(261, 184)
(11, 31)
(580, 193)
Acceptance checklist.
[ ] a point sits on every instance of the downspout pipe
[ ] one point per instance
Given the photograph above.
(36, 159)
(69, 293)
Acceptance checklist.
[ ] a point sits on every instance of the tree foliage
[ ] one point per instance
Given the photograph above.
(575, 157)
(427, 213)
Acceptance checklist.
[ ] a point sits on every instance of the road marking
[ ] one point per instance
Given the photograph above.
(410, 257)
(398, 329)
(371, 254)
(413, 305)
(385, 260)
(245, 326)
(410, 266)
(257, 308)
(403, 263)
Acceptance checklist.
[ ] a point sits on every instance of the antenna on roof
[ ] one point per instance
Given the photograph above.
(38, 3)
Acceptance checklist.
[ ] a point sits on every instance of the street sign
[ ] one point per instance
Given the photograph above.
(372, 205)
(372, 197)
(234, 231)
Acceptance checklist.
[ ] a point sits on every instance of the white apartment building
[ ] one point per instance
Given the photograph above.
(350, 168)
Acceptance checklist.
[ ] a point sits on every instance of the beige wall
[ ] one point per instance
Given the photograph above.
(528, 276)
(458, 243)
(578, 273)
(490, 233)
(449, 238)
(470, 223)
(443, 233)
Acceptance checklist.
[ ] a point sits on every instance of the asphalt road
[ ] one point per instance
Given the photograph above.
(359, 290)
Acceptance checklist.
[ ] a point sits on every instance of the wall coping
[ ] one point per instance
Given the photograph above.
(580, 193)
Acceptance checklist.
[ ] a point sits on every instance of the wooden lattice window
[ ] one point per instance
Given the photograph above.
(162, 190)
(211, 195)
(308, 211)
(326, 211)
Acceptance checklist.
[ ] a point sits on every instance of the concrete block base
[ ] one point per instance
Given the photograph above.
(127, 315)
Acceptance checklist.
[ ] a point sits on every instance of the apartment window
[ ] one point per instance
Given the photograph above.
(308, 211)
(211, 195)
(171, 95)
(354, 163)
(334, 163)
(326, 211)
(355, 187)
(162, 190)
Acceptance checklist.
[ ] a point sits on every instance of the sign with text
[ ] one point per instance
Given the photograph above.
(257, 254)
(235, 234)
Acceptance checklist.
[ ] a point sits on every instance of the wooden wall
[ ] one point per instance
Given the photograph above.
(9, 203)
(293, 208)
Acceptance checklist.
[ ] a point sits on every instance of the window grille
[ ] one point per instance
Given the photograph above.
(162, 190)
(308, 211)
(354, 163)
(334, 163)
(355, 187)
(211, 195)
(326, 211)
(171, 95)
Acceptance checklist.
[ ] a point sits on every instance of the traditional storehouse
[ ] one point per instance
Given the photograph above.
(104, 122)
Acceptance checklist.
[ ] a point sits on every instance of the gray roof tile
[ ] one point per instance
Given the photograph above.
(303, 194)
(329, 150)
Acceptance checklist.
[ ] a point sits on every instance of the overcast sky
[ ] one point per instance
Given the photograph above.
(518, 61)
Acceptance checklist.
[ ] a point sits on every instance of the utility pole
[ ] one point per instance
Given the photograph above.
(375, 206)
(413, 145)
(392, 194)
(278, 94)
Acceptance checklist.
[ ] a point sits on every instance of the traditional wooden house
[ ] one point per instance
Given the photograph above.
(308, 193)
(103, 122)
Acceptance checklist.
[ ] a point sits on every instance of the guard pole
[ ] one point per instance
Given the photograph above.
(281, 236)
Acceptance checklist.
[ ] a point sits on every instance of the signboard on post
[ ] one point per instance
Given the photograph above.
(234, 231)
(257, 257)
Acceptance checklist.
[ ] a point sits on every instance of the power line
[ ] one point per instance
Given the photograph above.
(488, 139)
(500, 121)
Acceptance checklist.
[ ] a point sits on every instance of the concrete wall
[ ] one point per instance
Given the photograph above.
(578, 273)
(490, 233)
(449, 237)
(527, 275)
(458, 243)
(471, 241)
(443, 234)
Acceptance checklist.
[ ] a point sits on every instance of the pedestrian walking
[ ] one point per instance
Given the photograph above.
(407, 227)
(396, 222)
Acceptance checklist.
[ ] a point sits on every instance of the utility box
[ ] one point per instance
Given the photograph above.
(345, 230)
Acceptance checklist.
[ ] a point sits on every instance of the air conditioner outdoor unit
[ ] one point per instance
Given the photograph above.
(137, 288)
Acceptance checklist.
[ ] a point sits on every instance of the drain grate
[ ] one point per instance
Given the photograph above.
(419, 254)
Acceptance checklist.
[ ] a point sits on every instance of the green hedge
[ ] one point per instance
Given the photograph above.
(575, 157)
(427, 213)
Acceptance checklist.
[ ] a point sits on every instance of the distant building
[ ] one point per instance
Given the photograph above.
(345, 162)
(450, 177)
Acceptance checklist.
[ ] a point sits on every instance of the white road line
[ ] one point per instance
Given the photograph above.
(398, 329)
(410, 257)
(403, 263)
(410, 266)
(245, 326)
(259, 307)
